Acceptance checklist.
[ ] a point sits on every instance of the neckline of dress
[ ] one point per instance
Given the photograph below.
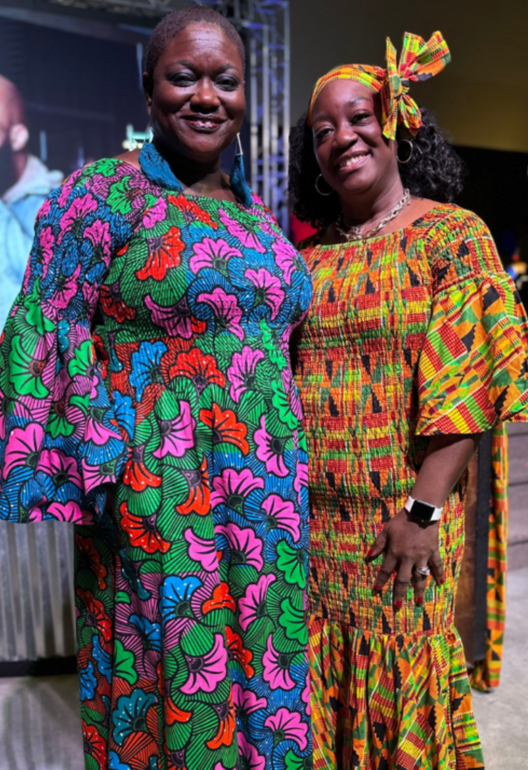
(400, 233)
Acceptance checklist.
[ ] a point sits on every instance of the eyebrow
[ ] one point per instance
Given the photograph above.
(190, 65)
(355, 100)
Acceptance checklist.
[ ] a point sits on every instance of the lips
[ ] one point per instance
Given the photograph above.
(203, 124)
(351, 162)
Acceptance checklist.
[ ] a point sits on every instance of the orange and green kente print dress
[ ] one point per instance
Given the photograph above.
(411, 334)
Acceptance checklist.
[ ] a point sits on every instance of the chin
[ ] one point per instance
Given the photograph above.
(355, 184)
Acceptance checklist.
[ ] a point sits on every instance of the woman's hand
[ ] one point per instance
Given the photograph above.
(410, 548)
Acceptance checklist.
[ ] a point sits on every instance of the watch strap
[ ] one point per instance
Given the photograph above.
(436, 513)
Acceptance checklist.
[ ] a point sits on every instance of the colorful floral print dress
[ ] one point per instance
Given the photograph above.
(409, 335)
(147, 396)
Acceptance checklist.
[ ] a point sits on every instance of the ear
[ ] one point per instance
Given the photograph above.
(148, 87)
(18, 137)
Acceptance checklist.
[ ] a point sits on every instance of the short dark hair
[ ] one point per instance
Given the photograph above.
(435, 171)
(177, 21)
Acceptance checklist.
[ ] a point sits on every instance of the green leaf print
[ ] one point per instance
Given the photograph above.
(293, 622)
(271, 342)
(82, 360)
(292, 563)
(34, 316)
(25, 371)
(293, 762)
(124, 664)
(281, 404)
(58, 425)
(122, 597)
(117, 199)
(82, 402)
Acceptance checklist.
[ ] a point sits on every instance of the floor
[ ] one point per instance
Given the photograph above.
(40, 730)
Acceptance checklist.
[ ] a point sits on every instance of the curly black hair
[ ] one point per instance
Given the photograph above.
(435, 171)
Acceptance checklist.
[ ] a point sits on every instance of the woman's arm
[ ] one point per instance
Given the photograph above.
(409, 545)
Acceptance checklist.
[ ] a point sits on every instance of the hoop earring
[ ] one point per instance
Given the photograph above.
(325, 194)
(411, 151)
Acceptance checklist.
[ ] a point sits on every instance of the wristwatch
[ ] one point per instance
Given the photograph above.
(422, 511)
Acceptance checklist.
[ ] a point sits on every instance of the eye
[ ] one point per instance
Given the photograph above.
(227, 82)
(182, 78)
(361, 117)
(321, 134)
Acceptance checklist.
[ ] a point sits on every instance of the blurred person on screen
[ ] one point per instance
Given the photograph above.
(25, 182)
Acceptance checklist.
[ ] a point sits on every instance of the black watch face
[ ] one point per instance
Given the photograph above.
(422, 511)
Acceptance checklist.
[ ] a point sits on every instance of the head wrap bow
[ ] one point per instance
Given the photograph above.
(419, 60)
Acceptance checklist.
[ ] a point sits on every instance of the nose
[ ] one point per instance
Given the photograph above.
(345, 136)
(205, 97)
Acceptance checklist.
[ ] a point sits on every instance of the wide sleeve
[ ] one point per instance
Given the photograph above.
(473, 367)
(60, 441)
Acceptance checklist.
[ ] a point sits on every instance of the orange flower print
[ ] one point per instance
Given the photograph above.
(142, 531)
(221, 598)
(237, 651)
(226, 728)
(225, 427)
(136, 473)
(199, 368)
(94, 745)
(95, 616)
(199, 499)
(164, 253)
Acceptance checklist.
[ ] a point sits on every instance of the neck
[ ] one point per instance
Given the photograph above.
(199, 178)
(372, 205)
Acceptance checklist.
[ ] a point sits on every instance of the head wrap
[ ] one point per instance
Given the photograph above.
(419, 60)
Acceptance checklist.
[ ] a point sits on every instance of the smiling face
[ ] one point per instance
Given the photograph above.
(353, 155)
(196, 97)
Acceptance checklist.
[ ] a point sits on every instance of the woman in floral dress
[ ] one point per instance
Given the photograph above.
(147, 396)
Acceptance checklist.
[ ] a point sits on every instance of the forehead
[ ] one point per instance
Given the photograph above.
(338, 94)
(204, 44)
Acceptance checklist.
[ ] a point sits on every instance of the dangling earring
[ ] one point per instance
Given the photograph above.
(237, 177)
(411, 150)
(325, 194)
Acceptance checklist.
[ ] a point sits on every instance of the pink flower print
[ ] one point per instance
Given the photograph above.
(268, 291)
(205, 552)
(253, 604)
(270, 450)
(232, 487)
(283, 515)
(23, 447)
(60, 467)
(46, 243)
(99, 433)
(177, 319)
(177, 435)
(69, 511)
(2, 416)
(305, 695)
(290, 724)
(94, 476)
(246, 702)
(251, 759)
(226, 310)
(99, 236)
(287, 258)
(206, 671)
(73, 218)
(213, 254)
(246, 547)
(155, 213)
(90, 293)
(301, 479)
(241, 373)
(246, 234)
(66, 189)
(46, 208)
(276, 671)
(66, 290)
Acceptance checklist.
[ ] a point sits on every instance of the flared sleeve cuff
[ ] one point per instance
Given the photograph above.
(473, 367)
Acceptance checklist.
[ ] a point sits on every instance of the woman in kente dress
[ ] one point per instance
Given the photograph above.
(415, 344)
(148, 397)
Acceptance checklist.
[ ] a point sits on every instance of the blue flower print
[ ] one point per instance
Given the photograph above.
(125, 413)
(87, 681)
(130, 714)
(175, 593)
(63, 327)
(102, 658)
(150, 632)
(145, 366)
(115, 764)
